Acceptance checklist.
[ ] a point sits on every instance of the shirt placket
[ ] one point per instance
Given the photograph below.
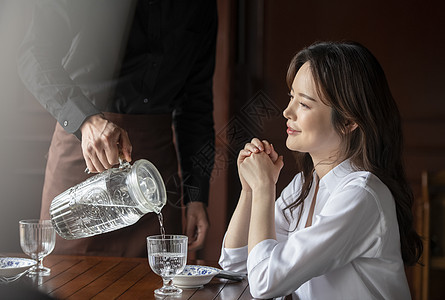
(154, 54)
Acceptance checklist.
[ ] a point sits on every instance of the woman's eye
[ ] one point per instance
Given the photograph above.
(304, 105)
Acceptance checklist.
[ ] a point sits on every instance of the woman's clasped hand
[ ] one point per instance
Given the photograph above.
(259, 165)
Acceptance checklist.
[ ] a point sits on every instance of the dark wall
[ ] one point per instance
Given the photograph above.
(408, 38)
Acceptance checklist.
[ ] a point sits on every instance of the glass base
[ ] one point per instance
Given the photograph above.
(39, 271)
(168, 291)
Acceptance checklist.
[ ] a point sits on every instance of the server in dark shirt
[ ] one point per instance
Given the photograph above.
(133, 77)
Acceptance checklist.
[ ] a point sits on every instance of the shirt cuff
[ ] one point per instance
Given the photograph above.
(75, 111)
(233, 259)
(259, 253)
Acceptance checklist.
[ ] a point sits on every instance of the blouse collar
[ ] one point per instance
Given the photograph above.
(334, 177)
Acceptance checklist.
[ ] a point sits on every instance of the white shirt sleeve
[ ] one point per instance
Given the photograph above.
(235, 259)
(347, 227)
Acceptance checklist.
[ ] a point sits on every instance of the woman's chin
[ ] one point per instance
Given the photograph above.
(292, 146)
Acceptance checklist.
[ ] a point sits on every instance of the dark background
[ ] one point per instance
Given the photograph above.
(256, 40)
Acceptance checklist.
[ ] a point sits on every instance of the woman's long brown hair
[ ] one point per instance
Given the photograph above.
(351, 81)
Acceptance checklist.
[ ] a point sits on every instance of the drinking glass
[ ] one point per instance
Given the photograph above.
(167, 256)
(37, 239)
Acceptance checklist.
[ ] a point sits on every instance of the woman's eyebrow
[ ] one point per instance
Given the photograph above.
(306, 96)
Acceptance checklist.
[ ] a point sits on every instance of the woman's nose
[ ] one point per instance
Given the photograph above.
(284, 113)
(287, 112)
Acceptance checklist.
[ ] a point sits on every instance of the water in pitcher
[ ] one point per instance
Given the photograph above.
(92, 212)
(108, 201)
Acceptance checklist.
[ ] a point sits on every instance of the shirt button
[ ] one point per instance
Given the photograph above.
(65, 123)
(146, 100)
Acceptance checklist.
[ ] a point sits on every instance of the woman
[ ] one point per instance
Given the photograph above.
(342, 229)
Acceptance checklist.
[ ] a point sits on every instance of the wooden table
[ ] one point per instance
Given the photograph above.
(91, 277)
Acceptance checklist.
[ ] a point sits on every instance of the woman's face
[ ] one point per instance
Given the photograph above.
(309, 126)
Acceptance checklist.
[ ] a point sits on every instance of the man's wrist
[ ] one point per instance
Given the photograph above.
(195, 203)
(92, 120)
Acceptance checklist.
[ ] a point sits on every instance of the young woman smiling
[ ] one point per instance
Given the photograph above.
(342, 228)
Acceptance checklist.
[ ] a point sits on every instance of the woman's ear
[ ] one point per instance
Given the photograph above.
(351, 126)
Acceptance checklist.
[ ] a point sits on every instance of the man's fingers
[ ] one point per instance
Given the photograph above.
(95, 166)
(197, 224)
(125, 144)
(90, 167)
(109, 141)
(111, 155)
(198, 239)
(105, 159)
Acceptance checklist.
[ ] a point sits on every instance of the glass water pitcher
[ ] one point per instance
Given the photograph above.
(108, 201)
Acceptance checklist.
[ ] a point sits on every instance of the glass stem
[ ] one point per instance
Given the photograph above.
(168, 282)
(40, 263)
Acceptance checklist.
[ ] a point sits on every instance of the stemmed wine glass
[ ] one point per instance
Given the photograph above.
(37, 239)
(167, 256)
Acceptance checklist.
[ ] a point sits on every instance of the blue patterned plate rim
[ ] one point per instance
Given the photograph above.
(15, 262)
(197, 270)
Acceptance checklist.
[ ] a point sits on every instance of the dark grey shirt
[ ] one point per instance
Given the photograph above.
(83, 57)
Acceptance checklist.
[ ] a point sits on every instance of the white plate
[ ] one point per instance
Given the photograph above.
(195, 276)
(12, 266)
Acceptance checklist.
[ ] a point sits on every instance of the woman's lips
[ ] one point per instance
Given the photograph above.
(290, 130)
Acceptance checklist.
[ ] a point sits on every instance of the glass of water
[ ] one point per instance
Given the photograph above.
(37, 239)
(167, 256)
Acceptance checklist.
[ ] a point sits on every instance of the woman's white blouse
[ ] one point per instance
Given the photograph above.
(351, 251)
